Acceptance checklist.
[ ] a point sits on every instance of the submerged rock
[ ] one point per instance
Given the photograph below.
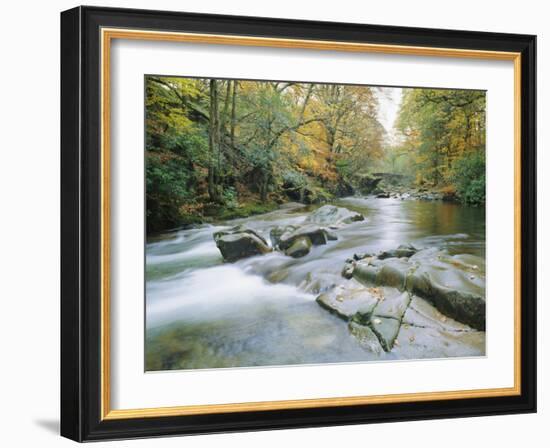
(331, 215)
(319, 282)
(239, 242)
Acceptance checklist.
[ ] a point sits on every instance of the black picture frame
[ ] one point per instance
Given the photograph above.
(81, 224)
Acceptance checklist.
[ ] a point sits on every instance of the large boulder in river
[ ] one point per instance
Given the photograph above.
(330, 215)
(240, 242)
(316, 234)
(276, 232)
(299, 248)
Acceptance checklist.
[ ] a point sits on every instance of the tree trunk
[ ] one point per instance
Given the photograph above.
(264, 187)
(213, 141)
(233, 115)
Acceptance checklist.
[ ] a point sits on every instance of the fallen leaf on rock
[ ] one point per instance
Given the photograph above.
(377, 321)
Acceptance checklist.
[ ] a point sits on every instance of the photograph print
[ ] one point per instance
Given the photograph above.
(293, 223)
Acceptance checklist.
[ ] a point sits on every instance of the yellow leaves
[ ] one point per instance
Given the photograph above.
(184, 86)
(179, 121)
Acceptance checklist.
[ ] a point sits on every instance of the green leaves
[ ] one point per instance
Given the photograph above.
(469, 177)
(442, 130)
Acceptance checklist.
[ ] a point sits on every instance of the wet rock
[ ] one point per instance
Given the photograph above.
(427, 342)
(316, 234)
(455, 285)
(347, 271)
(276, 232)
(239, 229)
(403, 250)
(393, 303)
(299, 248)
(392, 272)
(366, 337)
(235, 246)
(330, 215)
(278, 276)
(349, 302)
(386, 330)
(319, 283)
(421, 313)
(361, 256)
(383, 195)
(331, 236)
(454, 292)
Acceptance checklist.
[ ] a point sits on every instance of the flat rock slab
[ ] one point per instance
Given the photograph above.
(319, 282)
(393, 303)
(421, 313)
(455, 293)
(455, 285)
(347, 302)
(386, 329)
(387, 272)
(425, 342)
(366, 337)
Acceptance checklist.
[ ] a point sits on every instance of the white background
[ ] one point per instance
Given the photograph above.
(132, 388)
(29, 328)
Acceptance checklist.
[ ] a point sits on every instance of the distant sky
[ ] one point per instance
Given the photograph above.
(389, 99)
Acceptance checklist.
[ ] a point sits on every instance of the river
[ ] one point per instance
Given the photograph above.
(260, 311)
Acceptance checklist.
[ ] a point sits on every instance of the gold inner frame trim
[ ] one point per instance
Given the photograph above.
(107, 35)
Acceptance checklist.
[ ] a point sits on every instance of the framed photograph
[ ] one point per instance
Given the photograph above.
(276, 224)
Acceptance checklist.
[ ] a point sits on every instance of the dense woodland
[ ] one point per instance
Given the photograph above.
(219, 149)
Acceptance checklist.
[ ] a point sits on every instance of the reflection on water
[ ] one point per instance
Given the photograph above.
(204, 313)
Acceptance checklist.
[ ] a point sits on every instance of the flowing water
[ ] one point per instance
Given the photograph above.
(204, 313)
